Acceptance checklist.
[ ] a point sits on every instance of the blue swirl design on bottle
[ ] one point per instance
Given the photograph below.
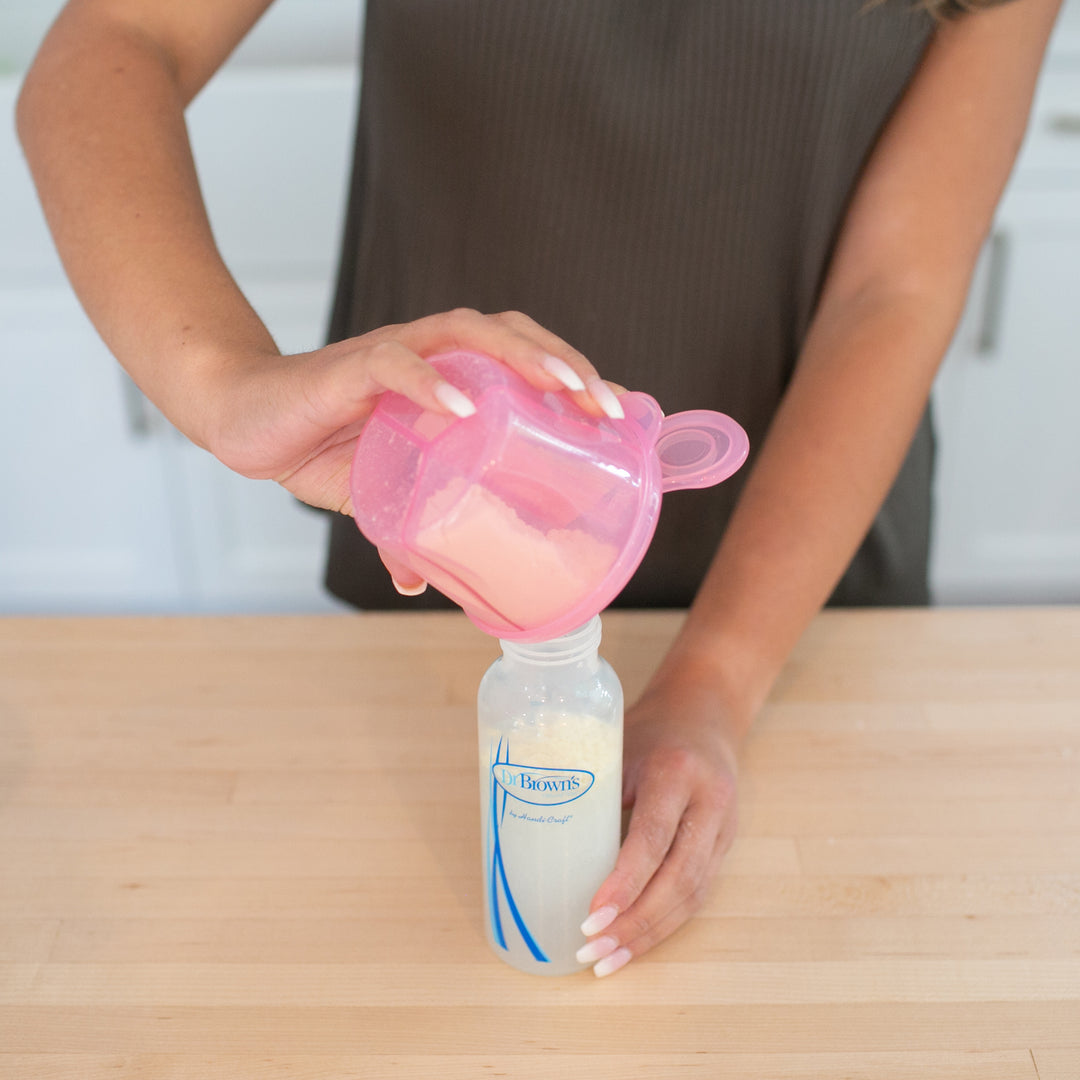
(496, 874)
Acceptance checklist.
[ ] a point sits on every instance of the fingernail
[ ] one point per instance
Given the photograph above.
(453, 399)
(605, 397)
(409, 590)
(599, 920)
(563, 372)
(596, 950)
(619, 958)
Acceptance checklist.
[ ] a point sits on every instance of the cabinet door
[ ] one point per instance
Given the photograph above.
(252, 546)
(273, 149)
(84, 509)
(1008, 494)
(104, 507)
(84, 517)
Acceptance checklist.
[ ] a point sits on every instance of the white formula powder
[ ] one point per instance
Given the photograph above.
(528, 575)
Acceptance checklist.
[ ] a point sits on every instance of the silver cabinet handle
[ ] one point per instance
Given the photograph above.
(139, 411)
(1064, 123)
(986, 341)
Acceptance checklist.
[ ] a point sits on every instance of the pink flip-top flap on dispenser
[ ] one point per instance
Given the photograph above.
(696, 449)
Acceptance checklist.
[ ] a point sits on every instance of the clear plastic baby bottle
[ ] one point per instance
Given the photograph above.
(550, 721)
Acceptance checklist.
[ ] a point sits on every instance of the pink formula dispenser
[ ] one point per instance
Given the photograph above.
(530, 514)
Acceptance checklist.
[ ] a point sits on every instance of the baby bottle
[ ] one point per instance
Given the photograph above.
(550, 723)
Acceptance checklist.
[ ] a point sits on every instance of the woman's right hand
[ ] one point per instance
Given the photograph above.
(295, 419)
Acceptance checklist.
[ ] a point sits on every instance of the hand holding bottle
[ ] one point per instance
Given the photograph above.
(679, 775)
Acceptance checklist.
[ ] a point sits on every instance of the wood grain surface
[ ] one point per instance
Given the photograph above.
(248, 847)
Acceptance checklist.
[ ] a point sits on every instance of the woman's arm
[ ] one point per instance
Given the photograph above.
(893, 295)
(101, 118)
(891, 301)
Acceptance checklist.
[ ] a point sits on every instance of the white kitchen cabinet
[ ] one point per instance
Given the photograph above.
(273, 147)
(251, 546)
(1007, 523)
(84, 515)
(103, 506)
(106, 508)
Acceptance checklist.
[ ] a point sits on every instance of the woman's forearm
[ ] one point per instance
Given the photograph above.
(827, 463)
(892, 296)
(101, 122)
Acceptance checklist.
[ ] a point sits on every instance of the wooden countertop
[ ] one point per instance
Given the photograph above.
(248, 847)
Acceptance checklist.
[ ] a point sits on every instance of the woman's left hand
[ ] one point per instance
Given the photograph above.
(679, 772)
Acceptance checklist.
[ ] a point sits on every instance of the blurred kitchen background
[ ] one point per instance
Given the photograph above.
(104, 508)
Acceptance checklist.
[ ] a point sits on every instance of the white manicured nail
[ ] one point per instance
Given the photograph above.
(596, 950)
(453, 399)
(409, 590)
(605, 397)
(619, 958)
(599, 920)
(563, 372)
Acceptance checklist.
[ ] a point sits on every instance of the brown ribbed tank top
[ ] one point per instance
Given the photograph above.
(661, 183)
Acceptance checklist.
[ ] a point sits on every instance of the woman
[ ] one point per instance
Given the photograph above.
(767, 208)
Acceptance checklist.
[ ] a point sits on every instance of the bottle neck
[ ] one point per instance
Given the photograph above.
(579, 645)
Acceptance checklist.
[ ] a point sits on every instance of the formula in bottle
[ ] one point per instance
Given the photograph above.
(550, 724)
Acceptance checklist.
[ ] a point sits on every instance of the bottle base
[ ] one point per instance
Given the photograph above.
(528, 966)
